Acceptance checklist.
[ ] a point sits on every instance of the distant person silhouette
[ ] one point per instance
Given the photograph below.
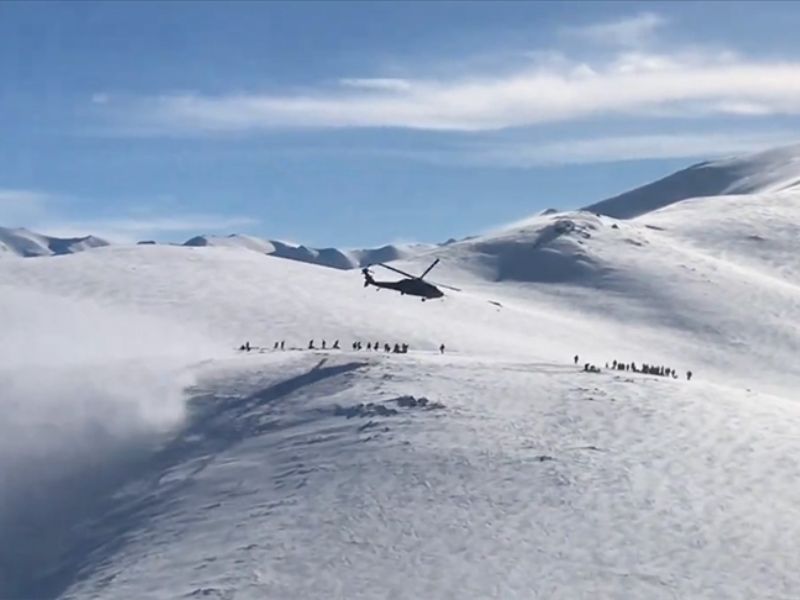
(688, 375)
(282, 344)
(576, 359)
(311, 345)
(336, 345)
(441, 349)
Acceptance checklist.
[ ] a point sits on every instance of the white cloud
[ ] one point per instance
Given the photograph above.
(380, 83)
(631, 83)
(100, 98)
(627, 31)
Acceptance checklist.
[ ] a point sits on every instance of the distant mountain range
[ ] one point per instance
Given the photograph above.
(328, 257)
(25, 243)
(770, 171)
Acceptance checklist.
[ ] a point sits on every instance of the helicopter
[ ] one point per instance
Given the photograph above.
(412, 285)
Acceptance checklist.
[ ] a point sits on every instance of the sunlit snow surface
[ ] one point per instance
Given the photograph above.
(141, 456)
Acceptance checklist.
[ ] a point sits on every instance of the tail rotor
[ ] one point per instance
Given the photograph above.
(367, 276)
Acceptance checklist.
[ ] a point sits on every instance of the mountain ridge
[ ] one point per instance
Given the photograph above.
(769, 171)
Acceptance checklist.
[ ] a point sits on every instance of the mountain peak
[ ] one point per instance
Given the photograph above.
(768, 171)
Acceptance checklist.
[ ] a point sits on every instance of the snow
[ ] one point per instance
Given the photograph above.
(142, 456)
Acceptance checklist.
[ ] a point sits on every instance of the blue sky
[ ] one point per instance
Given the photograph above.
(356, 124)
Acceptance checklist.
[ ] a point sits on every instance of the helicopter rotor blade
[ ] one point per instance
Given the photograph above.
(428, 270)
(398, 271)
(447, 287)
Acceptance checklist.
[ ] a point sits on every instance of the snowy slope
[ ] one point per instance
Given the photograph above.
(328, 257)
(532, 481)
(183, 468)
(21, 242)
(769, 171)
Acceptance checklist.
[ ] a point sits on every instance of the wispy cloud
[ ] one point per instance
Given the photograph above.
(633, 30)
(17, 197)
(680, 84)
(44, 212)
(18, 205)
(379, 83)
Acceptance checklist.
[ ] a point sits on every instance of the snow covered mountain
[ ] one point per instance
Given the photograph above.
(769, 171)
(21, 242)
(328, 257)
(153, 460)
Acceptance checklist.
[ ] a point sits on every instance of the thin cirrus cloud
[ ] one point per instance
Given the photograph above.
(21, 199)
(636, 73)
(391, 84)
(132, 229)
(635, 30)
(616, 149)
(41, 211)
(137, 228)
(21, 204)
(633, 83)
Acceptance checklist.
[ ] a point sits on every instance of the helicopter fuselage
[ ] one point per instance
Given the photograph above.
(412, 287)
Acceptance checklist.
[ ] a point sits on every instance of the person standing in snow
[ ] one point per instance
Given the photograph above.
(441, 349)
(688, 375)
(576, 359)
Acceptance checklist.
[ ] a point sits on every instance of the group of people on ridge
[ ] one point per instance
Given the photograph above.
(396, 349)
(374, 346)
(616, 365)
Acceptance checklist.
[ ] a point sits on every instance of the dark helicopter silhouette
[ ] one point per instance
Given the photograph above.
(412, 285)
